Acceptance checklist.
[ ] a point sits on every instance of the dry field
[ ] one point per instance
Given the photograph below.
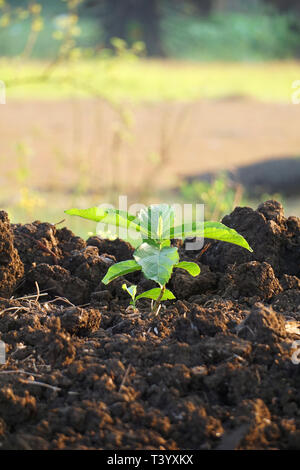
(63, 143)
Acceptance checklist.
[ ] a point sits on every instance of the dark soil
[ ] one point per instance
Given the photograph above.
(213, 371)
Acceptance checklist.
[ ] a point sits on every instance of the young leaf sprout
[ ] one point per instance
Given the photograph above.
(154, 255)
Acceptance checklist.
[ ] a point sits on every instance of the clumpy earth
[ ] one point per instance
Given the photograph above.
(217, 369)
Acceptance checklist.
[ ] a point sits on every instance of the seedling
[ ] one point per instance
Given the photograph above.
(152, 294)
(131, 290)
(154, 255)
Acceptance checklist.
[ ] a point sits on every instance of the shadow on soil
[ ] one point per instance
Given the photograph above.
(277, 175)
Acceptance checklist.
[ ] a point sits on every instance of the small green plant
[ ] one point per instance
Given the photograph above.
(131, 290)
(152, 294)
(155, 227)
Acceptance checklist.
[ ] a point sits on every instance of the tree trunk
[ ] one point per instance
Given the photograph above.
(117, 16)
(148, 16)
(114, 15)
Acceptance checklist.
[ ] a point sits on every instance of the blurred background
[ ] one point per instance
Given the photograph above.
(159, 100)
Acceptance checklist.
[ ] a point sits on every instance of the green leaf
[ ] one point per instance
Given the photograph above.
(154, 294)
(218, 231)
(112, 217)
(120, 269)
(156, 220)
(157, 263)
(131, 290)
(187, 229)
(213, 230)
(192, 268)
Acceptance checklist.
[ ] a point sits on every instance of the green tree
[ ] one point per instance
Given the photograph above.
(131, 20)
(285, 5)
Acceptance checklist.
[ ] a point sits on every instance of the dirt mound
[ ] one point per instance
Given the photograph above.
(11, 267)
(213, 371)
(253, 279)
(274, 239)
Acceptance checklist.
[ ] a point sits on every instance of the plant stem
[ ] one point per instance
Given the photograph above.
(157, 302)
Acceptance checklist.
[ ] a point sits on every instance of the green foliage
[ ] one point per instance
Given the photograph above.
(192, 268)
(45, 29)
(106, 216)
(212, 230)
(230, 36)
(120, 269)
(131, 290)
(155, 256)
(259, 34)
(219, 197)
(152, 294)
(155, 220)
(157, 261)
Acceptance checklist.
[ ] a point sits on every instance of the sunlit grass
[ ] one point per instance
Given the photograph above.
(136, 80)
(28, 206)
(119, 80)
(52, 210)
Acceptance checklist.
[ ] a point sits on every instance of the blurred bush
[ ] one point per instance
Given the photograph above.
(42, 26)
(219, 196)
(231, 36)
(252, 34)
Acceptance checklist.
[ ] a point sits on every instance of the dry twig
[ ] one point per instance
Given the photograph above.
(125, 377)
